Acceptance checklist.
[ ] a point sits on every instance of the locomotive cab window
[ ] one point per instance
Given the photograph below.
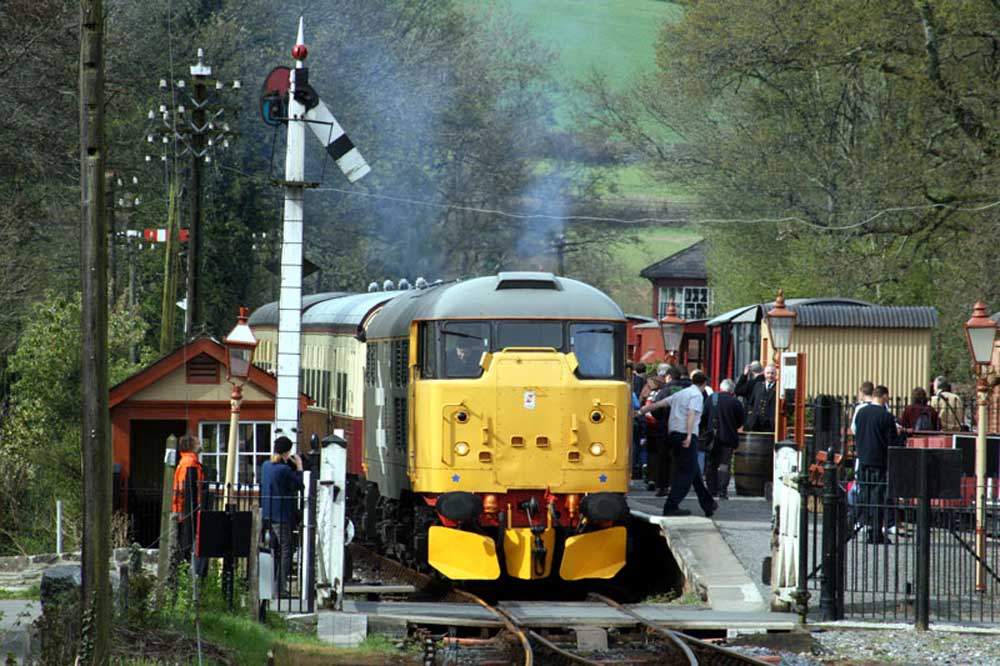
(464, 344)
(597, 350)
(428, 350)
(526, 333)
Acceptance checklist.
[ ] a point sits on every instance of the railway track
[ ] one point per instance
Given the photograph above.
(517, 644)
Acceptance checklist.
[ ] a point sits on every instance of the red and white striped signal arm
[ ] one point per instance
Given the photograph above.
(160, 235)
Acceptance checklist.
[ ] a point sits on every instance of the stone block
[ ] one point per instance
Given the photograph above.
(342, 629)
(59, 580)
(393, 627)
(591, 639)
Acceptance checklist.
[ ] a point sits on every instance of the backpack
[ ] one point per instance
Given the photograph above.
(924, 421)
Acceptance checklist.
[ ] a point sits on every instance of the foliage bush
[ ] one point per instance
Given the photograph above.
(40, 438)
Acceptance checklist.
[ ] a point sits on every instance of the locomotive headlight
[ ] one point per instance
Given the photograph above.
(462, 448)
(596, 449)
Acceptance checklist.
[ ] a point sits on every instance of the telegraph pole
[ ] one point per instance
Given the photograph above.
(192, 315)
(194, 127)
(95, 596)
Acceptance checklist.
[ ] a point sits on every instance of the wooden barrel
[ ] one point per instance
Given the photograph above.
(753, 463)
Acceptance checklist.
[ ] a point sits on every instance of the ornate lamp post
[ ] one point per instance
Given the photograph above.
(240, 346)
(980, 333)
(672, 330)
(780, 325)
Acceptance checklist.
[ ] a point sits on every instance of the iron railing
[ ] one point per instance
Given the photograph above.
(865, 552)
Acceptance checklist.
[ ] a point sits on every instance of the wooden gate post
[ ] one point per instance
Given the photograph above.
(166, 514)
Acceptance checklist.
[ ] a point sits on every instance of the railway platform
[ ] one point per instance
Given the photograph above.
(720, 557)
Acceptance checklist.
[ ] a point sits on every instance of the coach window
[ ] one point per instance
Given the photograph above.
(528, 333)
(596, 348)
(464, 344)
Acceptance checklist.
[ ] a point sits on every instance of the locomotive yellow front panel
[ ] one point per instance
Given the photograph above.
(526, 422)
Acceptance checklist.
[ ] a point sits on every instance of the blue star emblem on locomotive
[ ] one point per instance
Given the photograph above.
(603, 478)
(456, 478)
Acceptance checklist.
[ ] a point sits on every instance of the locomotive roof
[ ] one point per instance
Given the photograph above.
(505, 295)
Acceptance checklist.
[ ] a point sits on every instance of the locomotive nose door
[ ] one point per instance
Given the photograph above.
(530, 388)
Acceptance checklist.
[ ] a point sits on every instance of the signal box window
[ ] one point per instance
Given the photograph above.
(529, 334)
(595, 348)
(464, 344)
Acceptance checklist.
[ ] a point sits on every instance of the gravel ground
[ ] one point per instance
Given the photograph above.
(881, 646)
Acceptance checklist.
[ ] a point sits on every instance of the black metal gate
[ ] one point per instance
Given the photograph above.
(866, 550)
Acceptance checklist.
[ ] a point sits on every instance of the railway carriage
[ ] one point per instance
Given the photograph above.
(333, 361)
(515, 462)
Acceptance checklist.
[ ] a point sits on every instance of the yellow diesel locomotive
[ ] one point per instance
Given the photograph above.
(497, 429)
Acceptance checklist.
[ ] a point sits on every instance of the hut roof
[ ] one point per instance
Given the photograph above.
(837, 313)
(687, 263)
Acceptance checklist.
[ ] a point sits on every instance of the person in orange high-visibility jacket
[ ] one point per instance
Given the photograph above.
(189, 447)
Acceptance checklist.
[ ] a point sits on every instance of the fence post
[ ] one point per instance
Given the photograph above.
(802, 588)
(923, 547)
(253, 561)
(830, 580)
(309, 546)
(59, 543)
(166, 509)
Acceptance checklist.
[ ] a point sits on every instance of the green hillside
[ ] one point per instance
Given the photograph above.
(614, 36)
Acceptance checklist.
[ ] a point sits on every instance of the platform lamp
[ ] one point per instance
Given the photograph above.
(780, 325)
(240, 347)
(672, 330)
(980, 333)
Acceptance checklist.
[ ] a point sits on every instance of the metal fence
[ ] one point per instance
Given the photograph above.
(288, 545)
(866, 549)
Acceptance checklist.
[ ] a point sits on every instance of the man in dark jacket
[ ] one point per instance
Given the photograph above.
(876, 431)
(753, 374)
(760, 414)
(279, 488)
(725, 419)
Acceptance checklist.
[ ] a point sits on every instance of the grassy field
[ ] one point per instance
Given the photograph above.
(616, 37)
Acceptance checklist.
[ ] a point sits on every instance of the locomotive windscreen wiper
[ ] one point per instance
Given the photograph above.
(463, 335)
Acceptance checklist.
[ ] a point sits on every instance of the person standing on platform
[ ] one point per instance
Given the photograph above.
(655, 429)
(726, 418)
(948, 406)
(753, 374)
(686, 407)
(760, 414)
(279, 488)
(876, 432)
(866, 394)
(184, 507)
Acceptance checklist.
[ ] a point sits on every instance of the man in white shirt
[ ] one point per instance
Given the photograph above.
(685, 412)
